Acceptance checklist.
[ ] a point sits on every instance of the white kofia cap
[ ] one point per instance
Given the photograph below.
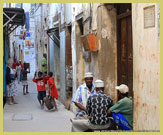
(122, 88)
(88, 74)
(99, 83)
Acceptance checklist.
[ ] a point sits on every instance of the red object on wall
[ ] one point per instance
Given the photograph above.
(89, 42)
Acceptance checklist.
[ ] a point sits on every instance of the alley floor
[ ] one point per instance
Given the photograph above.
(27, 116)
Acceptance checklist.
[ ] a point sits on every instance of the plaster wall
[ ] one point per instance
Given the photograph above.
(146, 70)
(103, 62)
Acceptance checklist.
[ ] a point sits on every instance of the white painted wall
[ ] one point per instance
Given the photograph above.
(146, 70)
(30, 58)
(26, 7)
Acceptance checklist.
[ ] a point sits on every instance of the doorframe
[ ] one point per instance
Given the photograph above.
(119, 17)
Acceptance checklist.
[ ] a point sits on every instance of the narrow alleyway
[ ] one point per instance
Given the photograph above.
(119, 43)
(26, 116)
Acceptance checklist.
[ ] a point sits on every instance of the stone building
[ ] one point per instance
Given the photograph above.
(119, 43)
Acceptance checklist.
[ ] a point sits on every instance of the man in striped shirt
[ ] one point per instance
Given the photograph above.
(82, 94)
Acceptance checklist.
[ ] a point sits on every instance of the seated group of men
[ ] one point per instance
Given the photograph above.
(96, 110)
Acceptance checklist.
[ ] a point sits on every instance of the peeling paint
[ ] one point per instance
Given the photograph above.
(104, 33)
(80, 73)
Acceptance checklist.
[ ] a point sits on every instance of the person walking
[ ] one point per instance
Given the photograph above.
(24, 80)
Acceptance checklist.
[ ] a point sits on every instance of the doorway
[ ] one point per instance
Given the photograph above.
(68, 63)
(124, 46)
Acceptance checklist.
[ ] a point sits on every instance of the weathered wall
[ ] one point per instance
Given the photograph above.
(106, 58)
(62, 56)
(12, 42)
(104, 62)
(30, 58)
(62, 67)
(68, 12)
(146, 71)
(73, 46)
(54, 50)
(39, 50)
(41, 37)
(43, 33)
(56, 60)
(79, 57)
(76, 9)
(77, 53)
(18, 41)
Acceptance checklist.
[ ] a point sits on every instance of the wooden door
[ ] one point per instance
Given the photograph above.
(125, 55)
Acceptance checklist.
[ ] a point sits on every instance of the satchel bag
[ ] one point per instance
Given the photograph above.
(48, 103)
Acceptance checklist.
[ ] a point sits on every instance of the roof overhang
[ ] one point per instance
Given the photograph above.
(51, 30)
(53, 33)
(12, 18)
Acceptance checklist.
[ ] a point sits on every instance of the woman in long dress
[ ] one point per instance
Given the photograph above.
(10, 81)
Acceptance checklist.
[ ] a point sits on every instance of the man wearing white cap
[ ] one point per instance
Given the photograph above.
(122, 112)
(81, 95)
(97, 106)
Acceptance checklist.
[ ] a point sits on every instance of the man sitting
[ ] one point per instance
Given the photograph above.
(122, 112)
(81, 95)
(97, 106)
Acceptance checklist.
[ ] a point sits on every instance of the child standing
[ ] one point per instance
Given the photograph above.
(24, 80)
(53, 93)
(40, 81)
